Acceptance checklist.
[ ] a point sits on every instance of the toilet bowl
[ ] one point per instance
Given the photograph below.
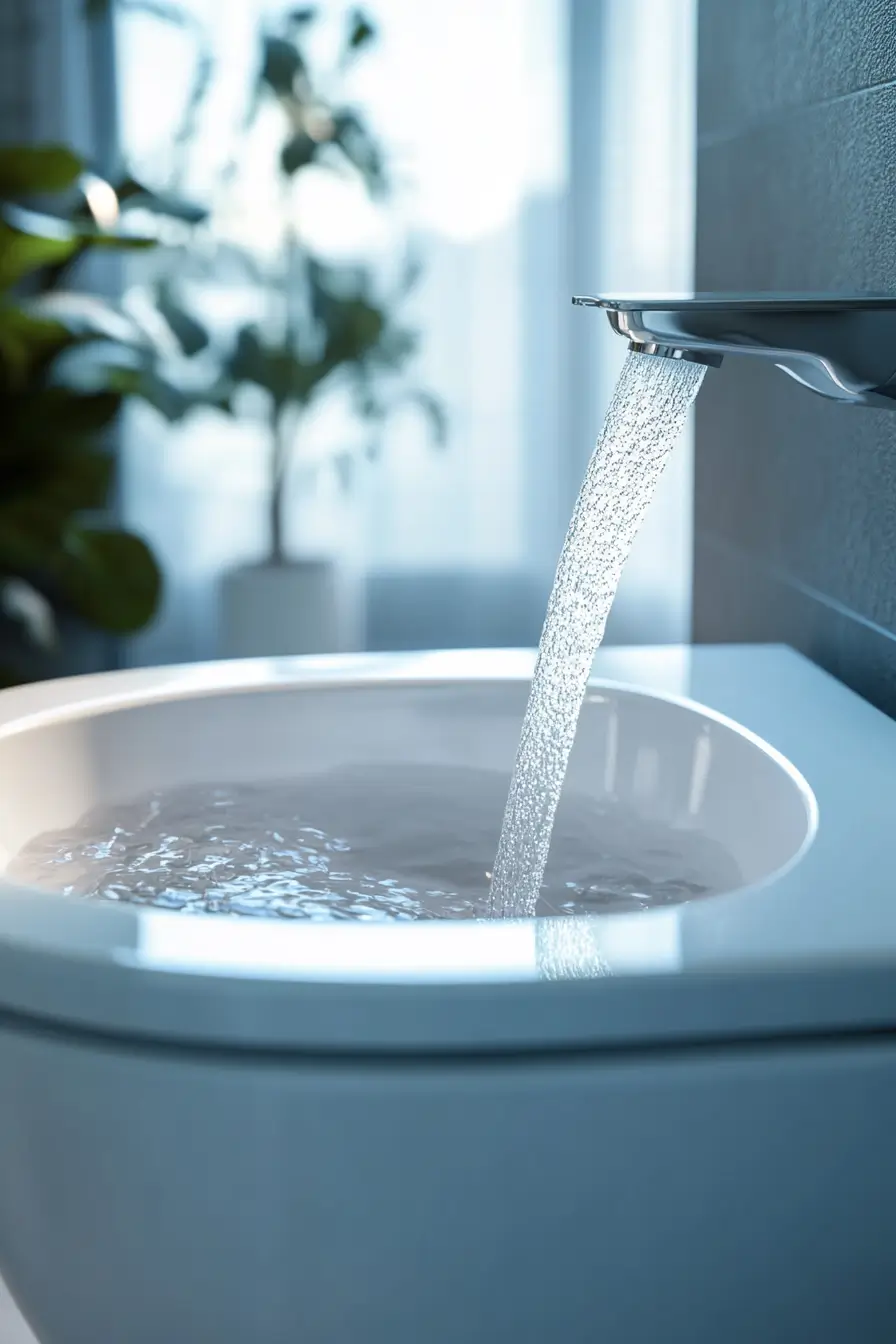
(673, 1123)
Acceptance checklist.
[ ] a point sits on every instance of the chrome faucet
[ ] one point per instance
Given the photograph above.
(842, 347)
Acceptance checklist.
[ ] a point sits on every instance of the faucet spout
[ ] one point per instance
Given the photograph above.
(842, 347)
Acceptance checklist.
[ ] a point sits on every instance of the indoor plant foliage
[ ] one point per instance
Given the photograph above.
(319, 328)
(333, 323)
(66, 362)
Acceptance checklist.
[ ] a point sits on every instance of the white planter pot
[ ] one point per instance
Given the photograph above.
(305, 606)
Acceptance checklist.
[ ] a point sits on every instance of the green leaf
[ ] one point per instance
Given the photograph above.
(281, 65)
(368, 404)
(110, 579)
(360, 30)
(83, 479)
(323, 293)
(30, 534)
(297, 153)
(172, 402)
(87, 317)
(49, 486)
(80, 232)
(434, 411)
(134, 195)
(246, 363)
(189, 333)
(354, 328)
(395, 348)
(359, 147)
(114, 242)
(26, 170)
(80, 414)
(31, 242)
(219, 396)
(22, 254)
(96, 365)
(46, 419)
(27, 341)
(277, 369)
(410, 277)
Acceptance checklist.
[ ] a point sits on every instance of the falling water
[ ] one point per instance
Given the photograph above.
(382, 843)
(643, 423)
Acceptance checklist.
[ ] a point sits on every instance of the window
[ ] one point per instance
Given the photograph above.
(458, 546)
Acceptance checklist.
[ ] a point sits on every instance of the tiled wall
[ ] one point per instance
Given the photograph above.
(795, 522)
(18, 24)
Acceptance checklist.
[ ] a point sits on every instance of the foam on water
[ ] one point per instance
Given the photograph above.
(363, 842)
(644, 421)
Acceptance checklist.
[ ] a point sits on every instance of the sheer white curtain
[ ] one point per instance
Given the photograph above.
(552, 147)
(458, 545)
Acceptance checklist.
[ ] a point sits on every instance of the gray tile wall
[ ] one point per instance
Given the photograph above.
(18, 31)
(795, 518)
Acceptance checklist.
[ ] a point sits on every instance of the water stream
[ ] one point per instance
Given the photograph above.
(377, 842)
(644, 421)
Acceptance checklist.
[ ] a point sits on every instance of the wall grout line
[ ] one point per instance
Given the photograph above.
(727, 135)
(723, 546)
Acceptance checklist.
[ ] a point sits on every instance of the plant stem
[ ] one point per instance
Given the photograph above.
(279, 456)
(282, 298)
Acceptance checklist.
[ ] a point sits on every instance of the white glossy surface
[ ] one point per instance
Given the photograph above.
(75, 746)
(141, 969)
(283, 1190)
(13, 1329)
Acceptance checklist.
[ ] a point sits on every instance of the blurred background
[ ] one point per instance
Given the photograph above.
(286, 341)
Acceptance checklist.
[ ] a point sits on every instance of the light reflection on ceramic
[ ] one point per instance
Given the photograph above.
(73, 744)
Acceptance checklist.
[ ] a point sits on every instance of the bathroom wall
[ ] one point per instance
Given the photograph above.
(56, 76)
(795, 497)
(16, 93)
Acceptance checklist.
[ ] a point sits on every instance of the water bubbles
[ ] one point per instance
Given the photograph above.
(643, 423)
(362, 843)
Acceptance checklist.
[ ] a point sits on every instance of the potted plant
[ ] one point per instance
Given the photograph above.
(325, 328)
(66, 362)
